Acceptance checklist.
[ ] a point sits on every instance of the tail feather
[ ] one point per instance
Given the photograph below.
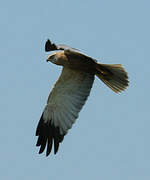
(113, 75)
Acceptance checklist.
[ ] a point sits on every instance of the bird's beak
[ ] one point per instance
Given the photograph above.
(48, 58)
(51, 58)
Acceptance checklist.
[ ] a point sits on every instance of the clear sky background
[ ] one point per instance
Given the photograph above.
(111, 138)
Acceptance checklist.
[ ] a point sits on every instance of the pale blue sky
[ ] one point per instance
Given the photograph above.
(111, 138)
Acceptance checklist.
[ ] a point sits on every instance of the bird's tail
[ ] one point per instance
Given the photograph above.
(113, 75)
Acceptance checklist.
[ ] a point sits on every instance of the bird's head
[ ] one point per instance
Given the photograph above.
(57, 58)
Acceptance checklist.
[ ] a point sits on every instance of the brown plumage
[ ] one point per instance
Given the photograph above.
(71, 91)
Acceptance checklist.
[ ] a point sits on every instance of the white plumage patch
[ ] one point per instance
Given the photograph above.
(67, 98)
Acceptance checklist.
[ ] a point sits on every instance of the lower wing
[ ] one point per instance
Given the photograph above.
(63, 106)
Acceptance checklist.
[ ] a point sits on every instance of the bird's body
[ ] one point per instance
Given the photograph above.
(76, 61)
(71, 91)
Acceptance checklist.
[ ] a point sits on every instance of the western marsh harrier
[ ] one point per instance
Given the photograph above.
(71, 91)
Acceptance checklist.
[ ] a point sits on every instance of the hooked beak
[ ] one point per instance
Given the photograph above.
(51, 58)
(48, 58)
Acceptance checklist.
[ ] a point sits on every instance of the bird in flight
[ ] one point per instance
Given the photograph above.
(71, 91)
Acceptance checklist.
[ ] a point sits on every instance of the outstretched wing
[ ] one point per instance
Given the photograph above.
(63, 106)
(53, 47)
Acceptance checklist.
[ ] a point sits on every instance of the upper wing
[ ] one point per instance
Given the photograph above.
(80, 57)
(63, 106)
(72, 53)
(52, 47)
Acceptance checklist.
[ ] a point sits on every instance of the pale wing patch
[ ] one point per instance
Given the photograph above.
(67, 98)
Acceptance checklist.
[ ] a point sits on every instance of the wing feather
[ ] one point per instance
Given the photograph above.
(64, 103)
(61, 119)
(53, 47)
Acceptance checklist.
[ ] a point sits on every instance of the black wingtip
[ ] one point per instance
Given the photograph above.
(48, 135)
(56, 146)
(49, 46)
